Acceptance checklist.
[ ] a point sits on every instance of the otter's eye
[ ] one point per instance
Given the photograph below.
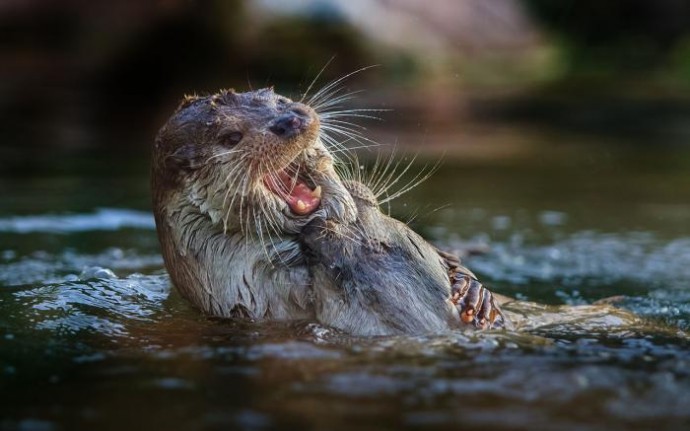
(230, 139)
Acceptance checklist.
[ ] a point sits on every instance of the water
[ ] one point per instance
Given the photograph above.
(93, 337)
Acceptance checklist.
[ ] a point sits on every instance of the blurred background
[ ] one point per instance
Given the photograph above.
(80, 78)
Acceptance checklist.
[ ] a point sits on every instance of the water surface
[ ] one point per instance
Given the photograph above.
(93, 337)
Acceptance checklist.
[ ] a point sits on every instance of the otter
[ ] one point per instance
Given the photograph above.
(235, 179)
(376, 276)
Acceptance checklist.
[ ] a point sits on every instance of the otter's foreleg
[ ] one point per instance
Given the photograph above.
(476, 304)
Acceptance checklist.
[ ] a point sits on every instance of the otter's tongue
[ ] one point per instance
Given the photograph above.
(300, 198)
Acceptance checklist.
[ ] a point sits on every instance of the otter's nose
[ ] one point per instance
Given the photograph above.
(291, 123)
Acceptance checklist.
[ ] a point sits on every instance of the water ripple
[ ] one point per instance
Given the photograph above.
(45, 268)
(103, 219)
(102, 305)
(587, 255)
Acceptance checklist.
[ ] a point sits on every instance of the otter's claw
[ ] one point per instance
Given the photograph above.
(475, 303)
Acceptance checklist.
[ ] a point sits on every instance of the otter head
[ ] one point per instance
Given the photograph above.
(252, 162)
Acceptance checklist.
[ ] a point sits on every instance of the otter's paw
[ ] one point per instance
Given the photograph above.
(475, 303)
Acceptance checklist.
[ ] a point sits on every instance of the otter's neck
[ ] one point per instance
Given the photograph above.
(228, 273)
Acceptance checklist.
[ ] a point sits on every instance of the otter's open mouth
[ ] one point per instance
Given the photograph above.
(298, 194)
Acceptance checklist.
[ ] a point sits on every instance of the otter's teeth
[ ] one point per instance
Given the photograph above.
(300, 206)
(317, 192)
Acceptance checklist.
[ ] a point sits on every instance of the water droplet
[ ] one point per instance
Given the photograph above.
(97, 272)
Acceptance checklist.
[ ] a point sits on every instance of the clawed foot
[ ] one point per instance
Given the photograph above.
(475, 303)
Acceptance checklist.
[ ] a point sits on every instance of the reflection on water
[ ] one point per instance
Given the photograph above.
(91, 335)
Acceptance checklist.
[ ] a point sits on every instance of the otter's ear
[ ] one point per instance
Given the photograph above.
(187, 100)
(184, 158)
